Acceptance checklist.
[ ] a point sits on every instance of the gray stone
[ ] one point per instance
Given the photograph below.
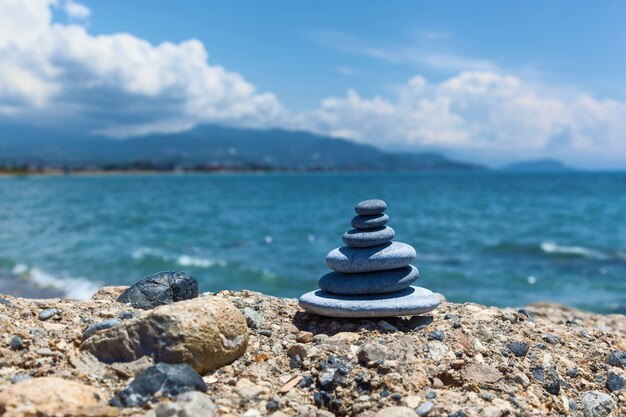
(391, 255)
(253, 318)
(16, 379)
(617, 358)
(379, 282)
(102, 325)
(364, 239)
(519, 349)
(162, 380)
(410, 301)
(615, 382)
(48, 313)
(369, 207)
(597, 404)
(16, 343)
(424, 409)
(369, 222)
(189, 404)
(159, 289)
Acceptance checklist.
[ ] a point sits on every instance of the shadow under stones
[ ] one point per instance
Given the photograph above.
(330, 326)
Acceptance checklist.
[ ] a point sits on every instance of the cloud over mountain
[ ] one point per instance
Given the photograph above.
(117, 84)
(54, 72)
(480, 112)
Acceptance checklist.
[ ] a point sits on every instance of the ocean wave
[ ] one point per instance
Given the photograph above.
(72, 287)
(180, 260)
(553, 248)
(185, 260)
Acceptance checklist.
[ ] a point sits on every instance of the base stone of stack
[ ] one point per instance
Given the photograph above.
(408, 302)
(380, 282)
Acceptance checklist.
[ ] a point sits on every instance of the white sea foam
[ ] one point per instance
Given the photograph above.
(73, 287)
(181, 260)
(554, 248)
(185, 260)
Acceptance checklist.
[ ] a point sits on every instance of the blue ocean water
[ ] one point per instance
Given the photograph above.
(494, 238)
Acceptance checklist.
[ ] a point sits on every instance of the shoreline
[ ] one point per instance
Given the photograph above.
(543, 360)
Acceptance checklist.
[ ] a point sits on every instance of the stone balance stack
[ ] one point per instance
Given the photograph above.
(372, 275)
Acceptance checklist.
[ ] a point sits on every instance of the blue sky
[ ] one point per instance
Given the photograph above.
(491, 81)
(306, 51)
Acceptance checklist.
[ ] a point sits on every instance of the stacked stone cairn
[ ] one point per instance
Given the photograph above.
(372, 275)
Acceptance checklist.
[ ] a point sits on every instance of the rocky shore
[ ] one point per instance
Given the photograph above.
(245, 353)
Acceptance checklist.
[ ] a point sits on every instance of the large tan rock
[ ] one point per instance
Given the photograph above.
(206, 333)
(53, 397)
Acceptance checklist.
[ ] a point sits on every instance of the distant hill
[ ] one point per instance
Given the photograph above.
(214, 147)
(538, 165)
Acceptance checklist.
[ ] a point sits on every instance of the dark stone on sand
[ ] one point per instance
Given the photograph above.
(615, 382)
(617, 358)
(437, 335)
(102, 325)
(16, 343)
(161, 380)
(159, 289)
(519, 349)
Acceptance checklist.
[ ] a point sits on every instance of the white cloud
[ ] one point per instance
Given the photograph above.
(118, 84)
(76, 11)
(421, 53)
(122, 85)
(484, 113)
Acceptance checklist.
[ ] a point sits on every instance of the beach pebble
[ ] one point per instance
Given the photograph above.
(188, 404)
(102, 325)
(253, 318)
(615, 382)
(388, 256)
(378, 282)
(597, 404)
(206, 333)
(48, 313)
(16, 343)
(364, 239)
(617, 358)
(436, 335)
(370, 207)
(553, 339)
(519, 349)
(164, 379)
(424, 409)
(159, 289)
(369, 222)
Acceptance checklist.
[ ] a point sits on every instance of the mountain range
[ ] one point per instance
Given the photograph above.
(212, 147)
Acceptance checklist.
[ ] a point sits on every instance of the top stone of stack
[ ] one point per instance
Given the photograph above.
(370, 207)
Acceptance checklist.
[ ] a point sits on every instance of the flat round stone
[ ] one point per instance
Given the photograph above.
(408, 302)
(369, 207)
(390, 255)
(364, 239)
(379, 282)
(369, 222)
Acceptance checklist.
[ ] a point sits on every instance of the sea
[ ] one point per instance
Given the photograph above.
(496, 238)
